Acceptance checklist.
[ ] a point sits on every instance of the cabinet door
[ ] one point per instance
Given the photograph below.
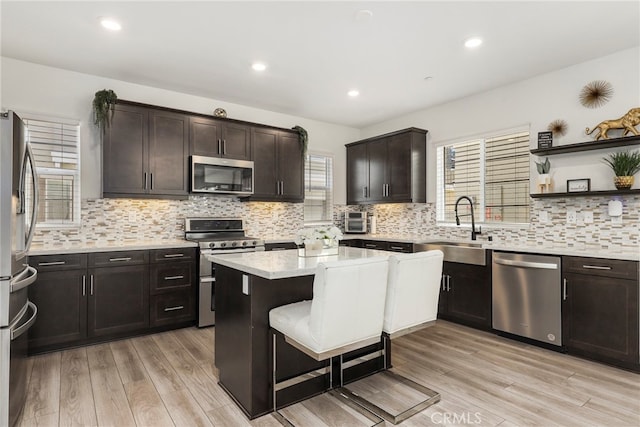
(377, 151)
(469, 294)
(205, 137)
(118, 299)
(399, 167)
(236, 141)
(62, 308)
(125, 151)
(290, 167)
(168, 153)
(357, 173)
(600, 317)
(264, 159)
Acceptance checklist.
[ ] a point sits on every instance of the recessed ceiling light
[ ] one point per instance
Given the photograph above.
(473, 42)
(110, 24)
(258, 66)
(353, 93)
(364, 15)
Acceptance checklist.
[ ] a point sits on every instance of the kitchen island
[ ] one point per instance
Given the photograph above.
(248, 286)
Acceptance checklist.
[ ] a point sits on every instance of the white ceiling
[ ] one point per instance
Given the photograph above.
(317, 51)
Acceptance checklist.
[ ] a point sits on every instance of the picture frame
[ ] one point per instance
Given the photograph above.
(545, 140)
(578, 185)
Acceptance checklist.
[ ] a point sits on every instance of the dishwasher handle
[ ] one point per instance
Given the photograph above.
(526, 264)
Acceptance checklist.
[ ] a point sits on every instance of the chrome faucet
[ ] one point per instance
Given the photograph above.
(474, 233)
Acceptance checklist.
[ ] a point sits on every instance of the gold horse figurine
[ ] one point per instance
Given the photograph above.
(626, 122)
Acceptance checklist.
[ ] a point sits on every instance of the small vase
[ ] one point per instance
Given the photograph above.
(623, 182)
(545, 185)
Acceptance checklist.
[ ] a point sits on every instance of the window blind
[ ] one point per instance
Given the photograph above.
(318, 194)
(56, 148)
(493, 172)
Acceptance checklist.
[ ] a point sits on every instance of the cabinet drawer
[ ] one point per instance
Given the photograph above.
(104, 259)
(401, 247)
(601, 267)
(58, 262)
(171, 276)
(173, 307)
(374, 244)
(173, 254)
(280, 246)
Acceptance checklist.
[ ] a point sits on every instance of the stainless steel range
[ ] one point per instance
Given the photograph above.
(219, 236)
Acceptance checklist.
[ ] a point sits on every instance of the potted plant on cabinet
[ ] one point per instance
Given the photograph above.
(103, 103)
(544, 178)
(624, 164)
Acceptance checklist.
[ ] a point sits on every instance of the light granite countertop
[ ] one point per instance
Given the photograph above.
(593, 251)
(281, 264)
(134, 245)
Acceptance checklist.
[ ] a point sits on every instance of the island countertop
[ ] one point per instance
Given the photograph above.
(280, 264)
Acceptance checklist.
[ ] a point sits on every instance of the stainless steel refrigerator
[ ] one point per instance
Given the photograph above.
(18, 208)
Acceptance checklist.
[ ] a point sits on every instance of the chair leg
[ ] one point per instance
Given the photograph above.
(277, 415)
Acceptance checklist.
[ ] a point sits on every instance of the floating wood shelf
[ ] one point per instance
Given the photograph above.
(588, 146)
(587, 194)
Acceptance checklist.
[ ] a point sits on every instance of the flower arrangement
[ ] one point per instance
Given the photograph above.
(318, 234)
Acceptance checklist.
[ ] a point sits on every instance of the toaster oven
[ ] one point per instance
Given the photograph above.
(355, 222)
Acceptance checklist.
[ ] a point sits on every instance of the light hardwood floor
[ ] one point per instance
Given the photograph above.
(170, 379)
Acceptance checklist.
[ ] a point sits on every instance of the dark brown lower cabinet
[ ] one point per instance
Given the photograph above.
(465, 294)
(85, 298)
(600, 310)
(118, 299)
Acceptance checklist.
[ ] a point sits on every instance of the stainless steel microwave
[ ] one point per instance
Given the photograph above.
(221, 176)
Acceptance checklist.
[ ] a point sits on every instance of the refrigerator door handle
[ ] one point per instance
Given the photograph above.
(20, 281)
(28, 157)
(16, 332)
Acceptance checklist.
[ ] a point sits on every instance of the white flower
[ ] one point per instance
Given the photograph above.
(308, 235)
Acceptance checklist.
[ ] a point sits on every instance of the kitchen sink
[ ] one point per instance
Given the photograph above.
(462, 252)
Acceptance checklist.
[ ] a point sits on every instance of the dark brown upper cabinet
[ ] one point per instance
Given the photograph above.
(217, 138)
(145, 153)
(278, 166)
(390, 168)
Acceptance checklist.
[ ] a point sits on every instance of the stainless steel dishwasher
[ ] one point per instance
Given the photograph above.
(527, 296)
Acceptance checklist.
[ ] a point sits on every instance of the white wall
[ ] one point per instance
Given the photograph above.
(536, 102)
(32, 88)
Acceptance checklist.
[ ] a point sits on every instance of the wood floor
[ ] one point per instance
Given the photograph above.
(170, 379)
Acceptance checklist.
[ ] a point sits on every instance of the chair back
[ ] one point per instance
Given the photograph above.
(413, 290)
(348, 301)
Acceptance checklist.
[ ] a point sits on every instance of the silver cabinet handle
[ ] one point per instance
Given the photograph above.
(91, 284)
(173, 277)
(448, 283)
(151, 181)
(174, 255)
(224, 147)
(279, 249)
(526, 264)
(144, 181)
(207, 279)
(444, 288)
(219, 146)
(120, 259)
(596, 267)
(564, 289)
(369, 245)
(364, 191)
(177, 307)
(397, 248)
(43, 264)
(84, 285)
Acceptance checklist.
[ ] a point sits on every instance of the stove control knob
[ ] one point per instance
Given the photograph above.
(255, 243)
(212, 245)
(223, 244)
(244, 243)
(234, 244)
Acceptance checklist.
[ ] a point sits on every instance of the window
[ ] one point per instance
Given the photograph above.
(318, 189)
(493, 171)
(56, 148)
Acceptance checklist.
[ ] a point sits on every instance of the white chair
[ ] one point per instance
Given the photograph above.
(345, 314)
(411, 304)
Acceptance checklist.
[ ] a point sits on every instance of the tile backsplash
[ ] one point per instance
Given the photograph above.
(127, 220)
